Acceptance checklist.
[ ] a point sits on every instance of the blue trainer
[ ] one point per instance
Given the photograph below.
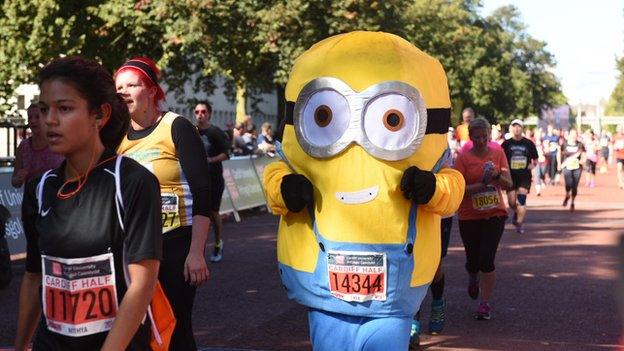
(436, 321)
(415, 333)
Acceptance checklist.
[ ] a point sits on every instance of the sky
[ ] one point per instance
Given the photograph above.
(584, 36)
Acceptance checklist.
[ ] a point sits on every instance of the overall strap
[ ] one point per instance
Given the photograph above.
(444, 160)
(280, 152)
(411, 231)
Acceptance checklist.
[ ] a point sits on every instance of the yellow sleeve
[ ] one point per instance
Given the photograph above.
(450, 186)
(272, 179)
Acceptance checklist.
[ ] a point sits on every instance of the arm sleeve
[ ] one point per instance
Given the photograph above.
(272, 179)
(507, 150)
(29, 215)
(194, 163)
(449, 193)
(142, 213)
(532, 151)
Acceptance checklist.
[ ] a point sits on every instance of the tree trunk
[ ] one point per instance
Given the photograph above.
(241, 102)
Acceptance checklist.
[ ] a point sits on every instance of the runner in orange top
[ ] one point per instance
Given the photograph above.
(482, 213)
(461, 132)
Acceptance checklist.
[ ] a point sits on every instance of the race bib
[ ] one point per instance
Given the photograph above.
(518, 162)
(553, 147)
(573, 163)
(79, 294)
(170, 213)
(486, 199)
(357, 276)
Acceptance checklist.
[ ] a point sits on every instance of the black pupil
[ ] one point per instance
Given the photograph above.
(393, 119)
(322, 115)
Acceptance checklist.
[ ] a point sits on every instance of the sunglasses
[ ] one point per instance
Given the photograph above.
(200, 111)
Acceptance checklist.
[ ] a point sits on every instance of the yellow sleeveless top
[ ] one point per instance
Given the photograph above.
(157, 153)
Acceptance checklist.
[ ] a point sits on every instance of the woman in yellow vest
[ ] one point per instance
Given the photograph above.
(170, 147)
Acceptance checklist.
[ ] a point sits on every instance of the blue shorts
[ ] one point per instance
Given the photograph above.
(333, 331)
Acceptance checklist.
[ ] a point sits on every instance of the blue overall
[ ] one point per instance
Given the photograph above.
(336, 324)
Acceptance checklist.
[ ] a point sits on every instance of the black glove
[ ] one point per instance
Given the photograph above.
(297, 192)
(417, 185)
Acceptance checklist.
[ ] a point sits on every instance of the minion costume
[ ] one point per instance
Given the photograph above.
(361, 188)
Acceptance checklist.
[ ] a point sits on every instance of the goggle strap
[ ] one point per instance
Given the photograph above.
(438, 119)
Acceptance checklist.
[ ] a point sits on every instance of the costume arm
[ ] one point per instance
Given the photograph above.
(272, 179)
(449, 192)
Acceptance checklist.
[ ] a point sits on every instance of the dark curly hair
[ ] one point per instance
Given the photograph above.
(97, 86)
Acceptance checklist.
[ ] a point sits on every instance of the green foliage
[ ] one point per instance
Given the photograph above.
(34, 32)
(492, 63)
(615, 106)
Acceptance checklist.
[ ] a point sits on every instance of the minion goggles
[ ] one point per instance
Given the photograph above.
(389, 119)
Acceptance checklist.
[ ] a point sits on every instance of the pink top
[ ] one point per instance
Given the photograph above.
(487, 202)
(37, 161)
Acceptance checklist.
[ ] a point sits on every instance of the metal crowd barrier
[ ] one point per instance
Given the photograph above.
(243, 190)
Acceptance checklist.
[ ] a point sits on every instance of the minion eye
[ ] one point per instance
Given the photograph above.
(325, 118)
(322, 116)
(391, 121)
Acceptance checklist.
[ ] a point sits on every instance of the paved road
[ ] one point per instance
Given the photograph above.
(555, 290)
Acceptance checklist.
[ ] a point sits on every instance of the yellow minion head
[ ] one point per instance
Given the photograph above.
(364, 106)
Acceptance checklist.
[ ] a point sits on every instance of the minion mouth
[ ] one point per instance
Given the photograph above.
(358, 197)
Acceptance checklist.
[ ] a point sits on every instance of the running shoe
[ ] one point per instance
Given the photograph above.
(436, 321)
(473, 288)
(565, 201)
(217, 254)
(519, 229)
(483, 311)
(415, 333)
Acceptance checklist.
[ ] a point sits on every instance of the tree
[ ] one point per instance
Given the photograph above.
(34, 32)
(287, 28)
(491, 63)
(225, 34)
(615, 106)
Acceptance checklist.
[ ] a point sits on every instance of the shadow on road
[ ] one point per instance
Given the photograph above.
(555, 290)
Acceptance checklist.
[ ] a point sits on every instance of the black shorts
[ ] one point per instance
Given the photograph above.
(217, 185)
(521, 179)
(591, 166)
